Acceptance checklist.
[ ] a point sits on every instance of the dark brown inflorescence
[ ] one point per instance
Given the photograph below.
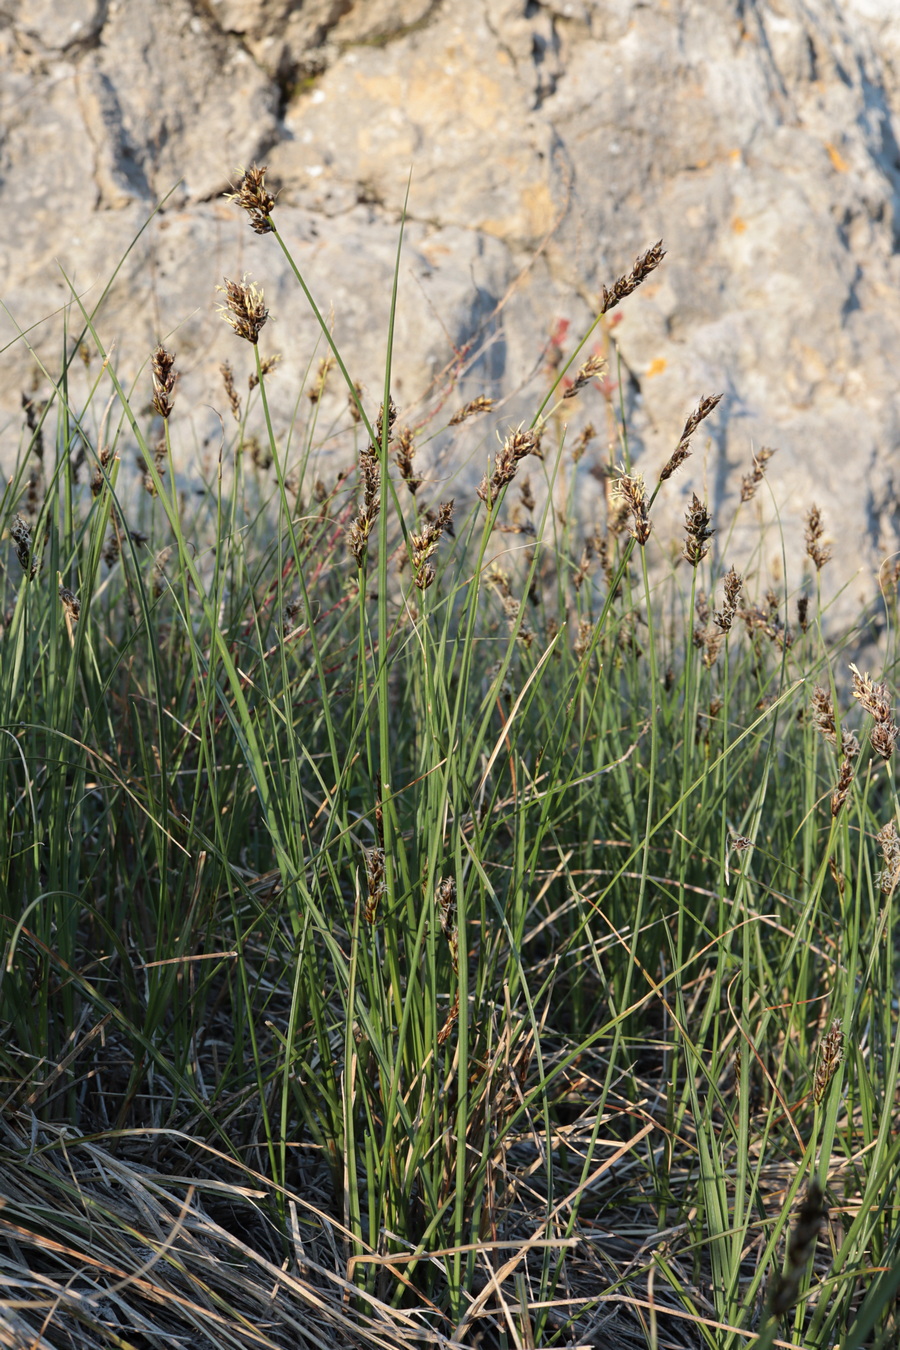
(244, 308)
(644, 264)
(683, 448)
(478, 405)
(751, 481)
(405, 453)
(724, 617)
(425, 543)
(696, 523)
(516, 446)
(876, 700)
(630, 492)
(162, 364)
(593, 366)
(231, 393)
(71, 603)
(819, 551)
(21, 533)
(801, 1248)
(252, 196)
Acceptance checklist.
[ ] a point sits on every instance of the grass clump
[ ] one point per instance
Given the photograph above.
(421, 925)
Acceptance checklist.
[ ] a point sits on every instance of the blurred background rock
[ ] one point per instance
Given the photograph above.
(548, 143)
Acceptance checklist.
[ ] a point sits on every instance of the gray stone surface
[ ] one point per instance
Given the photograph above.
(548, 143)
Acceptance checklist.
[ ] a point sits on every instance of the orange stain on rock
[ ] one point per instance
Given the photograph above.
(738, 225)
(657, 367)
(837, 159)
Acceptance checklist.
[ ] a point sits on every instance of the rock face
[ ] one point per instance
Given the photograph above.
(548, 144)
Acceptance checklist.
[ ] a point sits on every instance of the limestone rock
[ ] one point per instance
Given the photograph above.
(548, 144)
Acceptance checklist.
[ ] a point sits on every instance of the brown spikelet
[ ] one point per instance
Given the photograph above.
(890, 851)
(162, 364)
(71, 603)
(113, 546)
(584, 440)
(21, 534)
(289, 617)
(696, 523)
(244, 308)
(477, 405)
(822, 710)
(828, 1059)
(751, 481)
(234, 398)
(354, 402)
(514, 449)
(724, 617)
(815, 548)
(584, 638)
(97, 479)
(34, 412)
(452, 1017)
(375, 882)
(842, 789)
(592, 367)
(252, 196)
(445, 900)
(713, 639)
(361, 528)
(629, 490)
(317, 388)
(876, 700)
(391, 419)
(803, 612)
(266, 366)
(683, 448)
(644, 264)
(584, 565)
(404, 452)
(801, 1248)
(425, 543)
